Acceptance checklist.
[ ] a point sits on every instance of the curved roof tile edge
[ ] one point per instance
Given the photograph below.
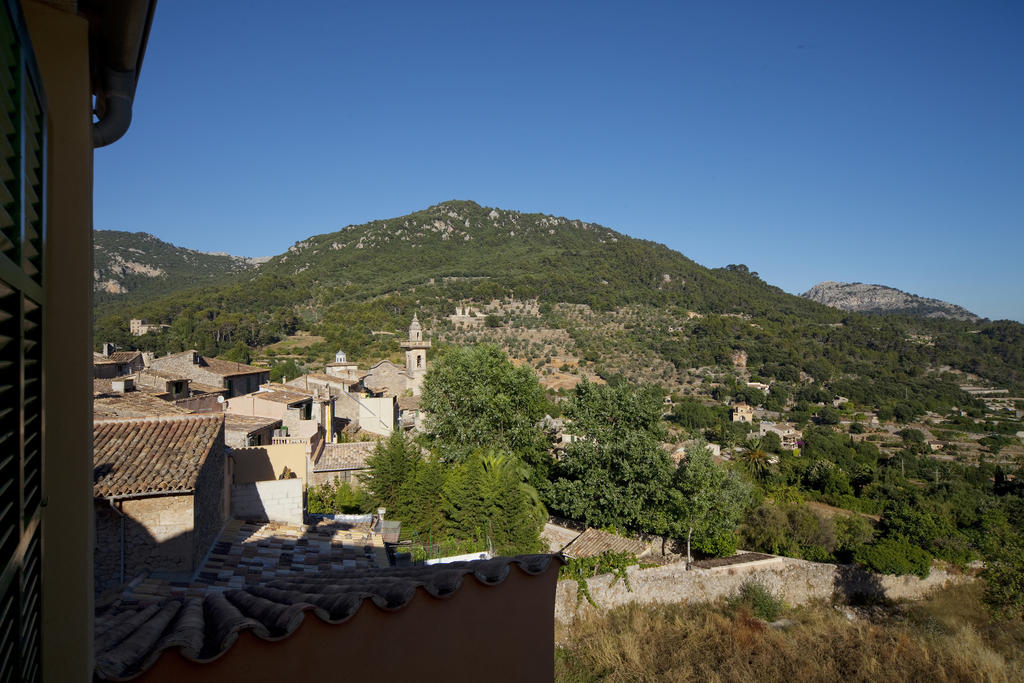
(182, 622)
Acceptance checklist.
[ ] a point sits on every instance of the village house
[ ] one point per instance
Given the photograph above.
(342, 461)
(116, 363)
(388, 379)
(159, 495)
(410, 416)
(169, 385)
(466, 316)
(236, 378)
(342, 368)
(679, 454)
(302, 414)
(243, 431)
(334, 385)
(741, 412)
(119, 397)
(788, 435)
(139, 327)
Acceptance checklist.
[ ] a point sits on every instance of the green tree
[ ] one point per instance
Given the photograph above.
(389, 469)
(707, 500)
(239, 353)
(476, 398)
(617, 473)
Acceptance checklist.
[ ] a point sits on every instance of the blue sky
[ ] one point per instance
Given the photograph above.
(878, 142)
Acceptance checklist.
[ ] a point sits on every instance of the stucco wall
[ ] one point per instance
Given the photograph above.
(796, 581)
(266, 463)
(268, 501)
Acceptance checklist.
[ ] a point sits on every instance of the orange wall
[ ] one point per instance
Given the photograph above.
(491, 633)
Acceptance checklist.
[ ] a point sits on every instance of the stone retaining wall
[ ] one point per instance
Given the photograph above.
(796, 581)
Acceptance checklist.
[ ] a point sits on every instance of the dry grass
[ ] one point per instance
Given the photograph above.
(945, 638)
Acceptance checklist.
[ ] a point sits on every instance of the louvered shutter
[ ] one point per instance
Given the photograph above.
(22, 238)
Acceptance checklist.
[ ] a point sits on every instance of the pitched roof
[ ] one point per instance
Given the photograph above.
(345, 456)
(116, 357)
(248, 423)
(145, 455)
(319, 377)
(270, 392)
(408, 402)
(164, 374)
(128, 640)
(229, 368)
(139, 403)
(593, 542)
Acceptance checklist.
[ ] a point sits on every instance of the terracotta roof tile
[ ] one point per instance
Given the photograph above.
(228, 368)
(269, 392)
(133, 404)
(593, 542)
(408, 402)
(152, 454)
(345, 456)
(116, 357)
(249, 423)
(129, 640)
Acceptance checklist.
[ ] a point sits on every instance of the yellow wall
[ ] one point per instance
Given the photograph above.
(263, 463)
(60, 42)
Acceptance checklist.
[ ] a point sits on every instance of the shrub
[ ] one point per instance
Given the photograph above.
(759, 599)
(717, 545)
(816, 553)
(895, 556)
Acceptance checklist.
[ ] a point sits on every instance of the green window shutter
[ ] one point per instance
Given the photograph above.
(22, 241)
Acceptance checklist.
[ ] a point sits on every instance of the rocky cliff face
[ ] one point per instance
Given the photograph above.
(143, 265)
(855, 296)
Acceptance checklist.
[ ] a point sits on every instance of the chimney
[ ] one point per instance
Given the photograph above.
(108, 349)
(122, 385)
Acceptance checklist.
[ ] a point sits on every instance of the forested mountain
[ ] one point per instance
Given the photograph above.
(855, 296)
(627, 307)
(142, 266)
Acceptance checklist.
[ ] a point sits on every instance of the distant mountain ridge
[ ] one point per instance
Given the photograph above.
(879, 299)
(144, 266)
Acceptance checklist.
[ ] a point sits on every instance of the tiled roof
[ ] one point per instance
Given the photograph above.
(248, 423)
(133, 404)
(228, 368)
(116, 357)
(408, 402)
(129, 640)
(273, 393)
(198, 387)
(593, 542)
(319, 377)
(151, 454)
(164, 374)
(345, 456)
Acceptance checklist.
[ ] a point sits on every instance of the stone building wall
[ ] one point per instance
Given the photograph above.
(796, 581)
(158, 537)
(181, 363)
(210, 507)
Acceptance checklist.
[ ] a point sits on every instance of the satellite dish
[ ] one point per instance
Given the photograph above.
(220, 399)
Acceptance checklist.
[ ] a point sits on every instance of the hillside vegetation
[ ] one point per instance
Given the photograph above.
(137, 266)
(948, 637)
(629, 308)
